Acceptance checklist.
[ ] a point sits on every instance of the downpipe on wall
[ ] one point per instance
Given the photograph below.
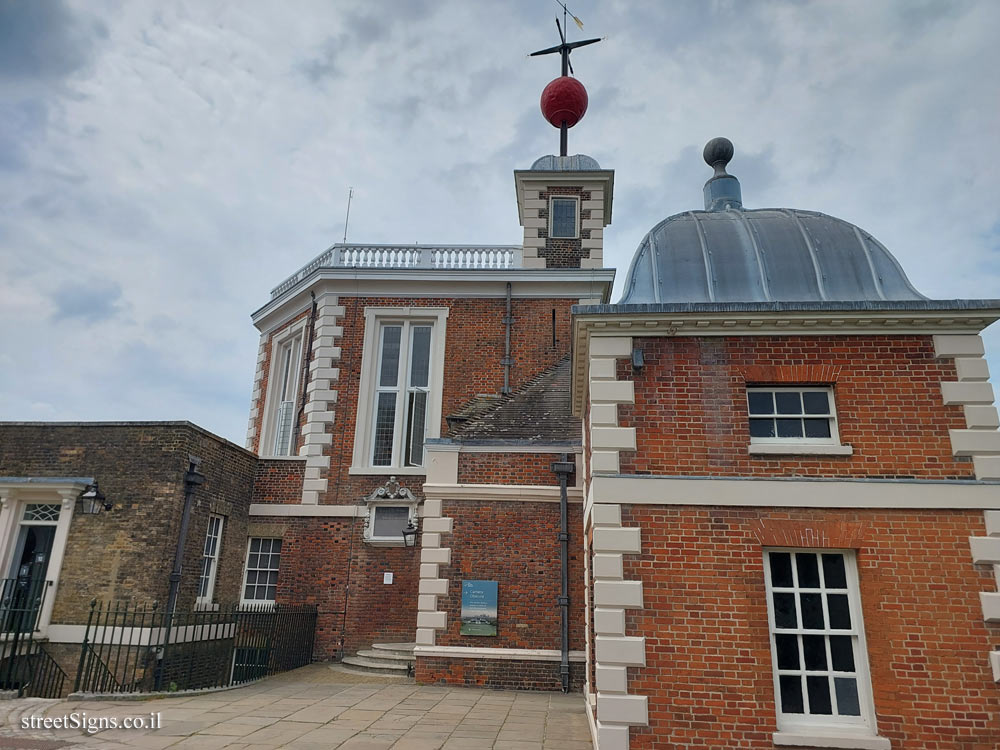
(563, 468)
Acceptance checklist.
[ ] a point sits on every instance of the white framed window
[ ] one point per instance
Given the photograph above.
(399, 402)
(564, 213)
(385, 523)
(283, 391)
(794, 420)
(210, 559)
(819, 657)
(260, 576)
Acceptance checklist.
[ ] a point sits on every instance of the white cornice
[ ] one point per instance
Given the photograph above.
(570, 283)
(795, 492)
(765, 323)
(501, 492)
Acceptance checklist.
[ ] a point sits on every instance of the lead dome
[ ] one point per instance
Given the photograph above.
(727, 253)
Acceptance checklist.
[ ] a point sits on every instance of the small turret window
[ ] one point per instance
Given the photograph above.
(563, 217)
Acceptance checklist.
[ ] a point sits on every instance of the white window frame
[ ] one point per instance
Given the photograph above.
(204, 599)
(280, 342)
(798, 445)
(387, 541)
(552, 216)
(802, 729)
(364, 435)
(246, 571)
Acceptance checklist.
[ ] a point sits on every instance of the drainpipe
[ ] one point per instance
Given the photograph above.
(507, 361)
(192, 478)
(563, 468)
(306, 359)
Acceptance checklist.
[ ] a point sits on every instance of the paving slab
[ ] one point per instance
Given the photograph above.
(317, 708)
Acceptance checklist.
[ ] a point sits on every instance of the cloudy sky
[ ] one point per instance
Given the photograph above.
(163, 165)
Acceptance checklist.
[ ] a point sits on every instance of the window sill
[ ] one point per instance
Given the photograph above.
(843, 741)
(385, 542)
(206, 607)
(389, 470)
(285, 458)
(799, 449)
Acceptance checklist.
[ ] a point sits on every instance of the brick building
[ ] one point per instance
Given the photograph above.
(754, 504)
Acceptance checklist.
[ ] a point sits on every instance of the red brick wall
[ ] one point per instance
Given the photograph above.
(708, 673)
(473, 349)
(507, 468)
(318, 561)
(278, 481)
(690, 409)
(500, 674)
(515, 544)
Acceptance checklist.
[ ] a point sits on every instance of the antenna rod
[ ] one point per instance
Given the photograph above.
(350, 194)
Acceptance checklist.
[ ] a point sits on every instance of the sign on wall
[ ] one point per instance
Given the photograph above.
(479, 608)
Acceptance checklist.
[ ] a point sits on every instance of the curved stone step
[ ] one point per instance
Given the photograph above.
(372, 665)
(387, 654)
(401, 647)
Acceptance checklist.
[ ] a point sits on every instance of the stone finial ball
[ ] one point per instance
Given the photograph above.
(564, 100)
(718, 150)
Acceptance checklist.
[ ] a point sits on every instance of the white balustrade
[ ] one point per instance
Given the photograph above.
(407, 257)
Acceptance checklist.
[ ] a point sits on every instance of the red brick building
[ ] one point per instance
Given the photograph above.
(754, 504)
(781, 469)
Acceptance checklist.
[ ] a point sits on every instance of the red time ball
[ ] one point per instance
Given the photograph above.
(564, 100)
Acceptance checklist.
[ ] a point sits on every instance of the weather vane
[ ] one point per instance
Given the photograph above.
(564, 100)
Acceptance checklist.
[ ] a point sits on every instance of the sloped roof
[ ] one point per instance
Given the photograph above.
(538, 412)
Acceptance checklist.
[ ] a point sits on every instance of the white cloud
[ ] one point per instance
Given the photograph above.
(180, 160)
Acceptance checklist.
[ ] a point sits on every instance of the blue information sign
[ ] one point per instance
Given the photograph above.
(479, 608)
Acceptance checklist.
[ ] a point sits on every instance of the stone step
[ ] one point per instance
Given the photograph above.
(395, 656)
(403, 647)
(376, 665)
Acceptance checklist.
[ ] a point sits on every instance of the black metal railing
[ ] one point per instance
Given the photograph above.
(129, 648)
(25, 666)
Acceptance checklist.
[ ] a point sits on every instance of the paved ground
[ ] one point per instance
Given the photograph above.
(317, 708)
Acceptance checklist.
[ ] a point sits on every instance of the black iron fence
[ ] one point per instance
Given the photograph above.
(25, 666)
(129, 648)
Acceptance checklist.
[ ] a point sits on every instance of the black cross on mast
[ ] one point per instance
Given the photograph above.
(564, 48)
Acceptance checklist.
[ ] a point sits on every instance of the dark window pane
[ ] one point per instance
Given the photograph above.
(784, 611)
(834, 572)
(790, 428)
(253, 561)
(761, 402)
(787, 648)
(816, 402)
(420, 357)
(761, 428)
(415, 432)
(255, 545)
(788, 403)
(814, 651)
(385, 422)
(791, 694)
(390, 521)
(390, 355)
(563, 218)
(808, 570)
(812, 611)
(275, 545)
(781, 569)
(840, 612)
(819, 695)
(847, 696)
(817, 428)
(842, 653)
